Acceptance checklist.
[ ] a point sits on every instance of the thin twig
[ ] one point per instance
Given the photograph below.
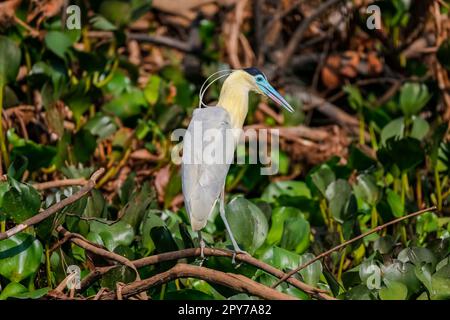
(53, 209)
(236, 282)
(326, 253)
(60, 183)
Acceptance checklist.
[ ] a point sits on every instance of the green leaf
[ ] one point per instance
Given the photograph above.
(322, 177)
(101, 126)
(440, 283)
(21, 201)
(137, 206)
(20, 256)
(100, 23)
(393, 129)
(296, 232)
(35, 294)
(151, 90)
(427, 222)
(288, 188)
(10, 57)
(247, 222)
(58, 42)
(11, 290)
(359, 160)
(394, 291)
(413, 97)
(338, 194)
(311, 274)
(417, 256)
(367, 189)
(127, 104)
(395, 203)
(150, 221)
(279, 216)
(405, 153)
(420, 128)
(404, 273)
(118, 233)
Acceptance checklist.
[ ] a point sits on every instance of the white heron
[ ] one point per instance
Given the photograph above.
(203, 183)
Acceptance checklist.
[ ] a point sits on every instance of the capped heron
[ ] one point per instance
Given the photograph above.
(203, 183)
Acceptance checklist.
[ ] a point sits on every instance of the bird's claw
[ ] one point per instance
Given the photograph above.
(235, 253)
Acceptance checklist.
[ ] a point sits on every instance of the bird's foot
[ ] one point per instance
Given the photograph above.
(236, 252)
(202, 249)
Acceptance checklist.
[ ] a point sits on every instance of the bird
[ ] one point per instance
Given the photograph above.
(203, 182)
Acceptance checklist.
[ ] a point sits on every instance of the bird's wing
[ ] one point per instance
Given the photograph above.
(208, 150)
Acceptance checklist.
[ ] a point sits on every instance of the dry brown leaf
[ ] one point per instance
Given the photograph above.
(162, 177)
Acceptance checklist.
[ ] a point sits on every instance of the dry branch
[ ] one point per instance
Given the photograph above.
(53, 209)
(233, 281)
(346, 243)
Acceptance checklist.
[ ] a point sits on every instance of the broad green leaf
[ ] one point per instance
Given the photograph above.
(359, 160)
(405, 153)
(137, 206)
(322, 177)
(413, 97)
(367, 189)
(21, 201)
(20, 256)
(247, 222)
(149, 221)
(440, 282)
(420, 128)
(395, 203)
(427, 222)
(417, 256)
(404, 273)
(35, 294)
(58, 42)
(101, 126)
(310, 274)
(151, 90)
(11, 290)
(279, 216)
(289, 188)
(393, 129)
(296, 234)
(443, 54)
(100, 23)
(384, 245)
(113, 234)
(338, 194)
(10, 57)
(394, 291)
(127, 104)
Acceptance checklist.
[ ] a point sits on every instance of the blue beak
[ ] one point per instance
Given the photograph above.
(274, 95)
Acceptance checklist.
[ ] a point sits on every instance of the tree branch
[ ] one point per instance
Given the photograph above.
(326, 253)
(53, 209)
(236, 282)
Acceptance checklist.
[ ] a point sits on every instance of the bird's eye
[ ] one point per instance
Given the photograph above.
(259, 78)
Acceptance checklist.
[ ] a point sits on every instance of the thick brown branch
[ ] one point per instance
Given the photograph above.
(195, 252)
(233, 281)
(53, 209)
(326, 253)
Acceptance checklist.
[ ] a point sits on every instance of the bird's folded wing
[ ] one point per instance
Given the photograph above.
(208, 149)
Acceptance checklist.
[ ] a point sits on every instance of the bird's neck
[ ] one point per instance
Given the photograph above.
(234, 98)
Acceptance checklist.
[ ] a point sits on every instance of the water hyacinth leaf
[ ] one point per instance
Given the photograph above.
(35, 294)
(404, 273)
(10, 56)
(394, 291)
(405, 153)
(100, 23)
(420, 128)
(423, 273)
(114, 234)
(12, 289)
(370, 274)
(322, 177)
(443, 54)
(366, 189)
(136, 208)
(150, 221)
(413, 97)
(247, 222)
(20, 256)
(58, 42)
(163, 240)
(151, 90)
(296, 233)
(440, 282)
(279, 216)
(310, 274)
(127, 104)
(21, 201)
(338, 194)
(101, 126)
(427, 222)
(417, 256)
(288, 188)
(395, 203)
(359, 160)
(393, 129)
(384, 245)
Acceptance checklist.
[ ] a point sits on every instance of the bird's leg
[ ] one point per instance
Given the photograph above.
(202, 246)
(227, 226)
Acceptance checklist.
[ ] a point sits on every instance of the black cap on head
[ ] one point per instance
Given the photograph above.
(254, 71)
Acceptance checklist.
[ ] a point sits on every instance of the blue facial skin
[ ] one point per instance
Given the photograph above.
(270, 91)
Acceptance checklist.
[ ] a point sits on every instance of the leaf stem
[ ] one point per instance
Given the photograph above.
(362, 126)
(438, 188)
(48, 266)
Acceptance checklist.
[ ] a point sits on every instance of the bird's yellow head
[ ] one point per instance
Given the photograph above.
(257, 82)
